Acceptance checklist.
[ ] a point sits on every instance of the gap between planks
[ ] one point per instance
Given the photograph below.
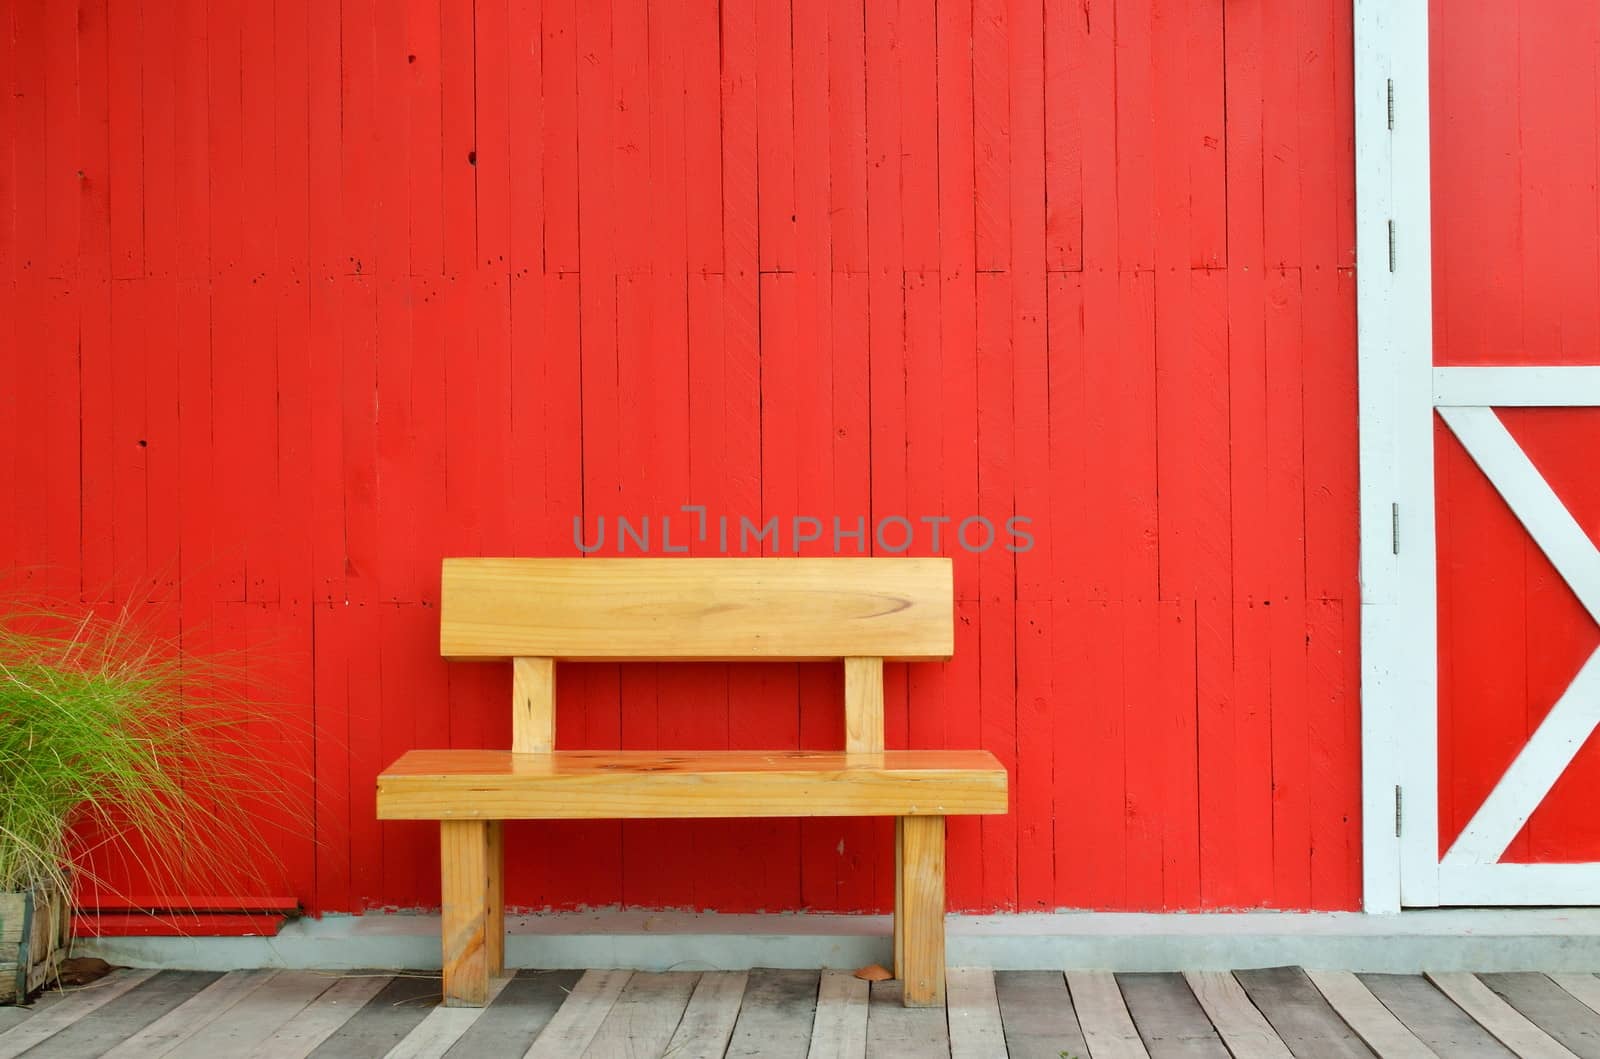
(71, 1007)
(1364, 1013)
(443, 1026)
(1508, 1025)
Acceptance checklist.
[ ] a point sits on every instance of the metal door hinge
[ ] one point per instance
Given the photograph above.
(1394, 527)
(1391, 244)
(1391, 104)
(1397, 810)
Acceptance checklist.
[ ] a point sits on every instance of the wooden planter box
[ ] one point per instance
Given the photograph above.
(35, 927)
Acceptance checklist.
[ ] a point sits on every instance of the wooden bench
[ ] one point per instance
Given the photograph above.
(535, 612)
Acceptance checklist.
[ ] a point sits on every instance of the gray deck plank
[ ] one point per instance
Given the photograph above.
(646, 1015)
(574, 1025)
(1037, 1015)
(840, 1028)
(895, 1031)
(1433, 1017)
(708, 1020)
(523, 1008)
(256, 1017)
(1305, 1021)
(1365, 1013)
(104, 1029)
(318, 1020)
(1498, 1017)
(972, 1011)
(383, 1021)
(776, 1016)
(1240, 1024)
(1169, 1019)
(14, 1015)
(1586, 987)
(60, 1008)
(1103, 1016)
(1551, 1008)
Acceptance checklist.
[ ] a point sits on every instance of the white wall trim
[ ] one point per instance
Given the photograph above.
(1434, 939)
(1394, 299)
(1518, 387)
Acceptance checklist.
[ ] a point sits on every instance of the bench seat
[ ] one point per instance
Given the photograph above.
(656, 784)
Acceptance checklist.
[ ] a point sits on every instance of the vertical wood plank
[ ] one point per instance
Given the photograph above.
(863, 705)
(533, 697)
(919, 911)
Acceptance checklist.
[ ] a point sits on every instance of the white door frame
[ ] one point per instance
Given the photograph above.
(1400, 391)
(1394, 329)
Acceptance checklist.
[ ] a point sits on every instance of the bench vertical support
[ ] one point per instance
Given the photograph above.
(863, 705)
(919, 909)
(533, 705)
(470, 870)
(494, 911)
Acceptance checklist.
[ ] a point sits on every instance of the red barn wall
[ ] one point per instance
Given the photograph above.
(300, 297)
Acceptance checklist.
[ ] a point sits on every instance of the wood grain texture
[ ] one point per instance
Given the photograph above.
(1433, 1017)
(1365, 1014)
(900, 1029)
(1037, 1012)
(919, 910)
(1242, 1027)
(1539, 1000)
(1299, 1015)
(256, 1017)
(716, 609)
(443, 1027)
(863, 705)
(1108, 1030)
(596, 784)
(776, 1016)
(647, 1012)
(1170, 1020)
(193, 1015)
(1504, 1022)
(124, 1017)
(973, 1011)
(840, 1026)
(67, 1010)
(300, 1035)
(708, 1019)
(580, 1017)
(464, 915)
(533, 705)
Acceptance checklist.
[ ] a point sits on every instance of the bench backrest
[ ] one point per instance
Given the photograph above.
(537, 611)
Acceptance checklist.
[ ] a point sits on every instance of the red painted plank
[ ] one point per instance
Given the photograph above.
(1066, 29)
(847, 132)
(990, 132)
(775, 144)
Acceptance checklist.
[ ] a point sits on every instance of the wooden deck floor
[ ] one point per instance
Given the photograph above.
(1035, 1014)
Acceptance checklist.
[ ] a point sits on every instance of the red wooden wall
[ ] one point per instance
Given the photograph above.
(300, 297)
(1516, 229)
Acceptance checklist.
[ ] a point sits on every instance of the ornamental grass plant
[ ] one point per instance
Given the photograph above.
(115, 752)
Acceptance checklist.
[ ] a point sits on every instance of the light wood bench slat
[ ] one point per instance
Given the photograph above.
(615, 784)
(706, 609)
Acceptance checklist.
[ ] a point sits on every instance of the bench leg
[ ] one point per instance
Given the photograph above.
(919, 909)
(473, 927)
